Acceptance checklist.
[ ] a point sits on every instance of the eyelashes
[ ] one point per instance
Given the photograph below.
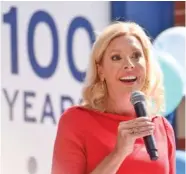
(116, 57)
(135, 56)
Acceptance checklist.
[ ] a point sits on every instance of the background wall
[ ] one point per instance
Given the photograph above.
(179, 13)
(179, 20)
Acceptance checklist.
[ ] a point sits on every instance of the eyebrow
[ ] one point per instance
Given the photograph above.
(114, 50)
(134, 49)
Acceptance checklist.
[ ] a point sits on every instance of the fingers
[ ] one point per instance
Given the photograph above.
(137, 128)
(138, 122)
(138, 131)
(144, 128)
(143, 134)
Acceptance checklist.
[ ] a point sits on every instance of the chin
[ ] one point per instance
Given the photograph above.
(127, 91)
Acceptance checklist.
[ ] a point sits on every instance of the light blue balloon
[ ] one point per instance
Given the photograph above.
(174, 81)
(173, 41)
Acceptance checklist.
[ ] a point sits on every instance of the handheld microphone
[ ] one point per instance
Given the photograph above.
(138, 101)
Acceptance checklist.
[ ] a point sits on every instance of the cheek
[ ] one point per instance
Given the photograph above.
(111, 77)
(141, 71)
(110, 74)
(142, 66)
(110, 70)
(142, 78)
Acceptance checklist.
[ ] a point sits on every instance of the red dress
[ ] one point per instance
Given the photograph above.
(85, 137)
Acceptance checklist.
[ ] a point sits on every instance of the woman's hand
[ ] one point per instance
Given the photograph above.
(129, 131)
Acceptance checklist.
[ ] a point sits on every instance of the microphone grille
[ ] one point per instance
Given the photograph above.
(137, 96)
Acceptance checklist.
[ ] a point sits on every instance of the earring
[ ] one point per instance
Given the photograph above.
(146, 85)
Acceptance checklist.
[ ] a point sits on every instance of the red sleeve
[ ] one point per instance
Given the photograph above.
(171, 146)
(69, 153)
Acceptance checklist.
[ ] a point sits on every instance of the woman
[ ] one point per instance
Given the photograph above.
(104, 136)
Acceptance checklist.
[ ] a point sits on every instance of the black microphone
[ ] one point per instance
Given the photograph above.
(138, 101)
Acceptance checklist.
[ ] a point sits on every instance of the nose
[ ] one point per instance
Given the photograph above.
(128, 65)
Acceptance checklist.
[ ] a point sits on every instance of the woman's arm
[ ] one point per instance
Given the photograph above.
(69, 153)
(110, 164)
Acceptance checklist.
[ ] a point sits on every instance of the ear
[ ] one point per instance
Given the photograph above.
(100, 72)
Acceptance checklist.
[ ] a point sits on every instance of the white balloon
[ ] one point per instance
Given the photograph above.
(173, 42)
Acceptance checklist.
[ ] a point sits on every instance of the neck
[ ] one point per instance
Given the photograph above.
(120, 105)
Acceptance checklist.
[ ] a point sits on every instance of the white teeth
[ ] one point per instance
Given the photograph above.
(128, 78)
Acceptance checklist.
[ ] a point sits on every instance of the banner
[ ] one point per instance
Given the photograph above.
(45, 52)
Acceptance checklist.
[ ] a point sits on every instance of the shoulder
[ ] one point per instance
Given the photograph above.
(164, 124)
(71, 126)
(75, 112)
(74, 116)
(167, 127)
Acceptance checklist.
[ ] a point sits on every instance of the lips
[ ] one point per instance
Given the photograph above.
(128, 79)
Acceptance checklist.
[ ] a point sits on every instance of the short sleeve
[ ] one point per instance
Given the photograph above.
(171, 146)
(69, 153)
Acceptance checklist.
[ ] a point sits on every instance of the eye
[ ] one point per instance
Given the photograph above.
(115, 57)
(136, 55)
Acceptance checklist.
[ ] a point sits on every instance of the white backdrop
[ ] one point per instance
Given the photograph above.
(32, 100)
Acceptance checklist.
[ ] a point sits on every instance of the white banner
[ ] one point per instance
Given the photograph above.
(45, 51)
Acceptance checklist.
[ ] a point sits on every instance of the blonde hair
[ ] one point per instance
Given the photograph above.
(95, 91)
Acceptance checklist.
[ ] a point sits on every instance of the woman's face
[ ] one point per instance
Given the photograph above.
(123, 65)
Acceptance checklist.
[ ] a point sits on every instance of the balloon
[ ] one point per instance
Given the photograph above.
(173, 41)
(174, 81)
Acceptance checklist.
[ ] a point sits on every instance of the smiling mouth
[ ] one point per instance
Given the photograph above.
(128, 79)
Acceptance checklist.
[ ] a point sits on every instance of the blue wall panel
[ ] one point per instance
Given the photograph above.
(154, 16)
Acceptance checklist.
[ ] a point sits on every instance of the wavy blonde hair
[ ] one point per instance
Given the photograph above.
(95, 91)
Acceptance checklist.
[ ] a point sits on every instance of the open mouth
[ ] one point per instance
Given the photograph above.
(128, 79)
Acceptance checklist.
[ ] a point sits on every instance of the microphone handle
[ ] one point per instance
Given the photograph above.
(149, 140)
